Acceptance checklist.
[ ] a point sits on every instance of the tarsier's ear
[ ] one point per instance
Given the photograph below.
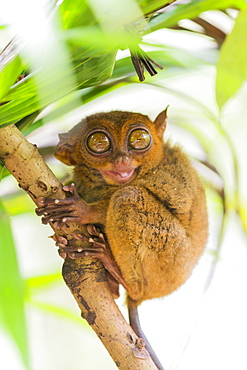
(160, 122)
(65, 150)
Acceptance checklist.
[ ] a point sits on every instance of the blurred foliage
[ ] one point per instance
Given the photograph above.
(12, 316)
(74, 62)
(232, 67)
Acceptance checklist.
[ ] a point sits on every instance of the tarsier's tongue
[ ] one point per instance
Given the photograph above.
(124, 175)
(121, 175)
(118, 176)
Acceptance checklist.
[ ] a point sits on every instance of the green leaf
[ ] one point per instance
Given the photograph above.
(71, 17)
(12, 315)
(173, 60)
(3, 171)
(56, 65)
(73, 101)
(63, 313)
(42, 282)
(168, 57)
(9, 75)
(18, 203)
(149, 6)
(28, 96)
(190, 10)
(232, 64)
(38, 284)
(243, 217)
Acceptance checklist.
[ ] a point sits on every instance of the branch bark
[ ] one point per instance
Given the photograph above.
(85, 277)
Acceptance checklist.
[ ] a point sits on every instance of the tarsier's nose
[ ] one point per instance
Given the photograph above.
(122, 158)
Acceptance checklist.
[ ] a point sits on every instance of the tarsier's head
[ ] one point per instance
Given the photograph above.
(116, 144)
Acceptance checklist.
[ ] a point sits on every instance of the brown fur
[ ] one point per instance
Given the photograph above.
(156, 224)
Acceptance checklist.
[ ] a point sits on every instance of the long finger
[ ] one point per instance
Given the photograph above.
(46, 202)
(61, 219)
(72, 189)
(53, 210)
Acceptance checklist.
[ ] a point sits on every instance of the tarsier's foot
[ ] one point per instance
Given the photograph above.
(67, 248)
(99, 249)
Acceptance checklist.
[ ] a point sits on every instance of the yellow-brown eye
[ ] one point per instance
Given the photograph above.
(98, 142)
(139, 139)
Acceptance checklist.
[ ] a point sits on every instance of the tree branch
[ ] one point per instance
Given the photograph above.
(85, 277)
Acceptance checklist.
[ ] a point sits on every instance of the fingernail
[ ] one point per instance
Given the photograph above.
(63, 240)
(62, 254)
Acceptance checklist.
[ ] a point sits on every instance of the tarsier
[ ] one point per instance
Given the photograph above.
(142, 200)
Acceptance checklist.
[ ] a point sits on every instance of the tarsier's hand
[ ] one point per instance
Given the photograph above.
(62, 211)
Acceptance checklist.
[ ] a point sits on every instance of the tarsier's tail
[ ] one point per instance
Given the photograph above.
(135, 324)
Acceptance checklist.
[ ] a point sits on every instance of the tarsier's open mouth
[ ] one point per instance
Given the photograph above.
(119, 177)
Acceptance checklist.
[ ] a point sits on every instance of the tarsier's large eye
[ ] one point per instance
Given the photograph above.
(139, 139)
(98, 142)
